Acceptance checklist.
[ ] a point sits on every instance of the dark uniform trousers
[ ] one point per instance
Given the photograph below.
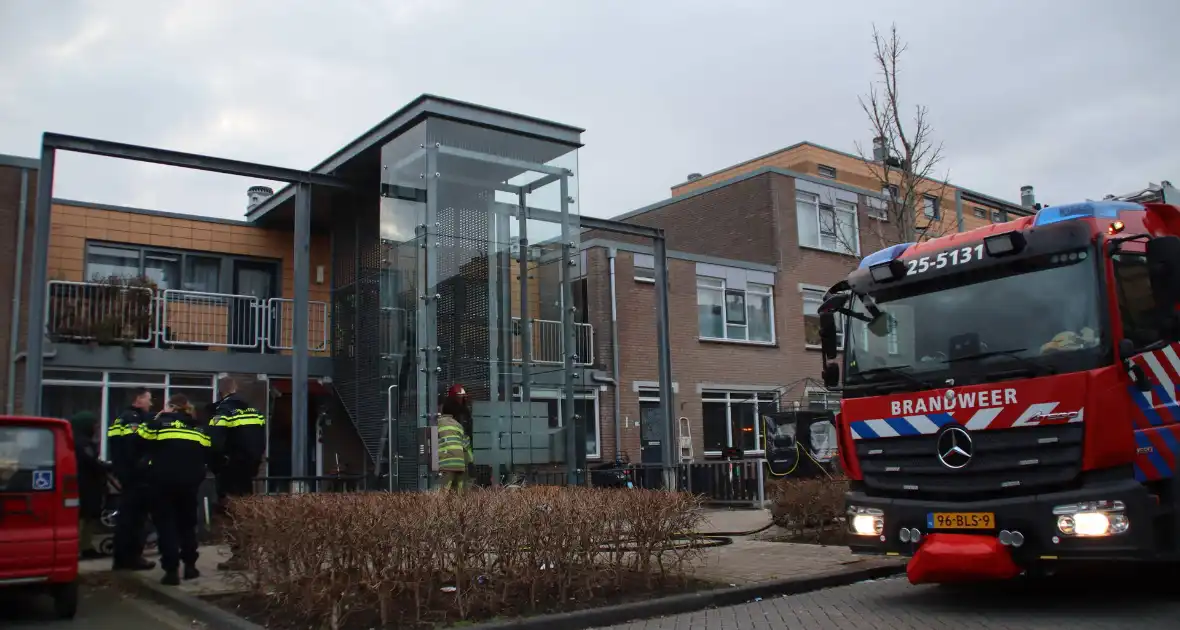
(134, 495)
(179, 453)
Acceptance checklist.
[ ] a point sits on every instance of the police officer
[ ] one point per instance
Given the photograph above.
(238, 433)
(126, 447)
(177, 453)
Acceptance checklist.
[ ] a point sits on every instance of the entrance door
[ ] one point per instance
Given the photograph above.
(257, 280)
(651, 440)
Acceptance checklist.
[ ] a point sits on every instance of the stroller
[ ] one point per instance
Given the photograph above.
(104, 536)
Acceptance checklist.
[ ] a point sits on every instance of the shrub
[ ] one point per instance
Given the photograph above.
(386, 557)
(808, 508)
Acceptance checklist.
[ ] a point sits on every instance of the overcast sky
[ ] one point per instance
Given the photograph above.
(1076, 97)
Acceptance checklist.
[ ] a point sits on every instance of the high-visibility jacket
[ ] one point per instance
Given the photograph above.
(176, 450)
(238, 431)
(125, 446)
(454, 445)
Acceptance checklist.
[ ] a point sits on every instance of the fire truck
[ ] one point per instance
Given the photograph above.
(1010, 393)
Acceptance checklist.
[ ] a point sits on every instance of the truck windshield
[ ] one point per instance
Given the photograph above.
(1031, 316)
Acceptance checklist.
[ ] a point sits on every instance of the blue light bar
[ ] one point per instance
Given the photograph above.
(1087, 210)
(885, 255)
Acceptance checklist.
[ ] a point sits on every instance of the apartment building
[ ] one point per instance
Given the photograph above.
(749, 259)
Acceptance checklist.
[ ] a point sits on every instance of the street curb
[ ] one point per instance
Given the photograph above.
(691, 602)
(220, 619)
(184, 604)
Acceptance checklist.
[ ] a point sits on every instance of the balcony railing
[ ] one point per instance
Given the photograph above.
(547, 342)
(101, 313)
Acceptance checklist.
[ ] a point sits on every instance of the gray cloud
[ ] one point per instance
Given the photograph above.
(1075, 97)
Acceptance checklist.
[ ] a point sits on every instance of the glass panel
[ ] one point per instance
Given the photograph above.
(586, 408)
(25, 452)
(119, 399)
(710, 306)
(760, 313)
(138, 377)
(743, 416)
(104, 262)
(202, 273)
(195, 380)
(63, 401)
(716, 425)
(735, 306)
(71, 375)
(163, 269)
(807, 212)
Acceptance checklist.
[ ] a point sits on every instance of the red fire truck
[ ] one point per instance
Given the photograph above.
(1010, 393)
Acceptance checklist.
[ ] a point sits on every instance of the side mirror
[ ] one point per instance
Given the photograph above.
(1163, 265)
(827, 334)
(831, 375)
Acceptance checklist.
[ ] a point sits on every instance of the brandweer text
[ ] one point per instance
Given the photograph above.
(931, 404)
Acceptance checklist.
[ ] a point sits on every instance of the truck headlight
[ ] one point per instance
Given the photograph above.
(864, 521)
(1092, 519)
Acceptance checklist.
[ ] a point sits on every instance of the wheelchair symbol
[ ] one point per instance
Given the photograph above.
(42, 479)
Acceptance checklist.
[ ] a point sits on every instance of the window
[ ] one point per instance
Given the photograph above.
(980, 213)
(27, 453)
(827, 223)
(585, 405)
(930, 207)
(819, 399)
(997, 216)
(168, 269)
(812, 298)
(645, 268)
(1136, 302)
(107, 262)
(732, 419)
(878, 209)
(735, 314)
(827, 171)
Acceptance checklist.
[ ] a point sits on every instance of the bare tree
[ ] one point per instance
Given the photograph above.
(905, 157)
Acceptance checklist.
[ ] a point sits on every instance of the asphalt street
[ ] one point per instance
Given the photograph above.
(1143, 600)
(101, 608)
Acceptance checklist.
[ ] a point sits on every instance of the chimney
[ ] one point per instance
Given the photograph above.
(257, 195)
(879, 153)
(692, 176)
(1027, 199)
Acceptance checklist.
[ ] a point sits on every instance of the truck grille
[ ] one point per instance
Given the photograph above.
(1006, 462)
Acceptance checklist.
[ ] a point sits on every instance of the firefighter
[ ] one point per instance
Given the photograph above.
(454, 442)
(125, 447)
(238, 433)
(176, 453)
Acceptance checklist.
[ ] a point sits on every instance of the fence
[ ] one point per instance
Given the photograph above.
(547, 342)
(109, 313)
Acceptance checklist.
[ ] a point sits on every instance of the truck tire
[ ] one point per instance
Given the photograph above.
(65, 600)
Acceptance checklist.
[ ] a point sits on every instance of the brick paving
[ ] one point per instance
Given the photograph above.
(1111, 602)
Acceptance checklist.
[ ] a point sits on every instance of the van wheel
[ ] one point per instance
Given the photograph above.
(65, 600)
(107, 546)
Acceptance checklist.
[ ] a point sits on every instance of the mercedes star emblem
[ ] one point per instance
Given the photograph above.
(955, 448)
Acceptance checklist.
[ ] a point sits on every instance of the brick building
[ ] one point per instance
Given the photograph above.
(748, 264)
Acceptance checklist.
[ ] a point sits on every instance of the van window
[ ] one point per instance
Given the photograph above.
(27, 461)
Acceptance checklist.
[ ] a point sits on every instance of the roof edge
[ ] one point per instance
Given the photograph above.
(152, 213)
(18, 161)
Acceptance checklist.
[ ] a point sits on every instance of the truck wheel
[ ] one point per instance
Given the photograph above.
(65, 600)
(107, 546)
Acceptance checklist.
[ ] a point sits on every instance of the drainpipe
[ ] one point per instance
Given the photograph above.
(614, 342)
(14, 332)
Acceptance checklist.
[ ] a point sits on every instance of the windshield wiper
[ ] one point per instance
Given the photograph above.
(1014, 353)
(895, 370)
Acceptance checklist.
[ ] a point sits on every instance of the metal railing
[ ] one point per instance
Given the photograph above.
(547, 342)
(109, 313)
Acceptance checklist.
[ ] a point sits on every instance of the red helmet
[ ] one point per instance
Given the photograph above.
(456, 391)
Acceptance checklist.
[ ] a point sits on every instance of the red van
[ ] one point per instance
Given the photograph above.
(39, 509)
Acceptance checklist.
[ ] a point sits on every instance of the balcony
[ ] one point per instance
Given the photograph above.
(135, 315)
(547, 345)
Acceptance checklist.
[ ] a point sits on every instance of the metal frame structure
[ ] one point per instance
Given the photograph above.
(303, 181)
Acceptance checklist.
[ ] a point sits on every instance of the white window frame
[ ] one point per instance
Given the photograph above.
(554, 394)
(997, 216)
(807, 201)
(826, 395)
(816, 296)
(752, 288)
(106, 383)
(643, 261)
(710, 396)
(831, 171)
(980, 212)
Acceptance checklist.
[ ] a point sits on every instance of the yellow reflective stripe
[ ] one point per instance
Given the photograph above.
(247, 417)
(145, 432)
(182, 434)
(120, 430)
